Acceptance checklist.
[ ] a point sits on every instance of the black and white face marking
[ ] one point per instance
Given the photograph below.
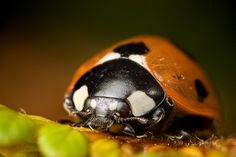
(119, 79)
(119, 87)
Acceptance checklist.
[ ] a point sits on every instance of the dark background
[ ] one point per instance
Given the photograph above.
(42, 43)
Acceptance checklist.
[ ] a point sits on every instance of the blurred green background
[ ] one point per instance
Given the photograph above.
(42, 43)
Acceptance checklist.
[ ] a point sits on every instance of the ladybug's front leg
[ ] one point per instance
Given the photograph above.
(159, 119)
(145, 125)
(163, 112)
(138, 126)
(130, 124)
(180, 137)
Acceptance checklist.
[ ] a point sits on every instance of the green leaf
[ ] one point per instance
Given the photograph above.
(3, 107)
(105, 148)
(146, 155)
(62, 141)
(161, 154)
(27, 154)
(15, 128)
(215, 153)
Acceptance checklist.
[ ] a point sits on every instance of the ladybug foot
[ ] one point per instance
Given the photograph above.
(146, 134)
(128, 130)
(77, 124)
(182, 137)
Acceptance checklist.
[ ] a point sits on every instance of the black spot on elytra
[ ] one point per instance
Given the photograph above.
(201, 90)
(132, 48)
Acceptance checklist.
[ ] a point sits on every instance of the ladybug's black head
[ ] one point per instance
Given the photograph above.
(119, 91)
(102, 110)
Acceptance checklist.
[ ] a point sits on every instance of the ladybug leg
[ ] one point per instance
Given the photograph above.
(181, 137)
(129, 123)
(80, 114)
(128, 130)
(68, 104)
(146, 122)
(162, 113)
(157, 116)
(139, 120)
(70, 107)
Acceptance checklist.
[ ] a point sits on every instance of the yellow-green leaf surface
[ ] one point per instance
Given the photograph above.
(101, 147)
(15, 128)
(27, 154)
(62, 141)
(23, 135)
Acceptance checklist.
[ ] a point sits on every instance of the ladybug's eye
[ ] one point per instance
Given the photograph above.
(123, 109)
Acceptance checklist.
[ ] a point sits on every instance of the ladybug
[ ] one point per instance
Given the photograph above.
(139, 85)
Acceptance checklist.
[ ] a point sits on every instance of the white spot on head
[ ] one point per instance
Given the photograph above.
(140, 59)
(79, 97)
(108, 57)
(140, 103)
(112, 106)
(93, 104)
